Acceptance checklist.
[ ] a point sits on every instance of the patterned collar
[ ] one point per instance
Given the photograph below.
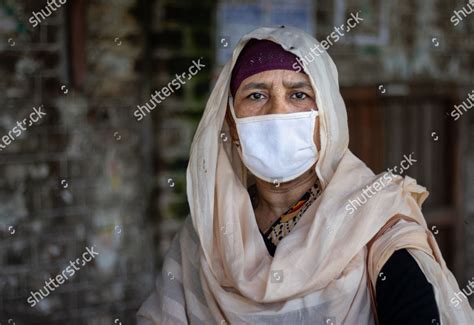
(287, 221)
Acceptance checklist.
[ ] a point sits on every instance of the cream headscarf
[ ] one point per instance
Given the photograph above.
(218, 269)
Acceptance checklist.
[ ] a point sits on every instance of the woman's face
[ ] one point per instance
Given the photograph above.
(274, 92)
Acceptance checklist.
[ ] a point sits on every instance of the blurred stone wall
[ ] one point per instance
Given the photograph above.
(80, 176)
(406, 41)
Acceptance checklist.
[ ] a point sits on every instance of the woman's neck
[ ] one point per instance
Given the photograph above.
(273, 199)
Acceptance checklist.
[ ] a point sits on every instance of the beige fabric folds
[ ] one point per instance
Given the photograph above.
(218, 269)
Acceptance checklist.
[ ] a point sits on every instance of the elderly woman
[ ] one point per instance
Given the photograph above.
(270, 239)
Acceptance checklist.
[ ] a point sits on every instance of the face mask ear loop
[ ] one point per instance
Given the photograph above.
(231, 107)
(314, 121)
(244, 171)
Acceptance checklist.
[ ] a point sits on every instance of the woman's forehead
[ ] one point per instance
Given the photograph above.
(266, 79)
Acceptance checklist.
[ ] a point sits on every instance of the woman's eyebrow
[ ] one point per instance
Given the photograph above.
(297, 84)
(256, 85)
(287, 84)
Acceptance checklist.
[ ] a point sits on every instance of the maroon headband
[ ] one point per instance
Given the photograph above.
(258, 56)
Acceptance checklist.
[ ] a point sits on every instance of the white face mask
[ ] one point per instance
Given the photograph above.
(277, 147)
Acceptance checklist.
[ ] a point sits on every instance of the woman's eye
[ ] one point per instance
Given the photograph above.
(300, 95)
(255, 96)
